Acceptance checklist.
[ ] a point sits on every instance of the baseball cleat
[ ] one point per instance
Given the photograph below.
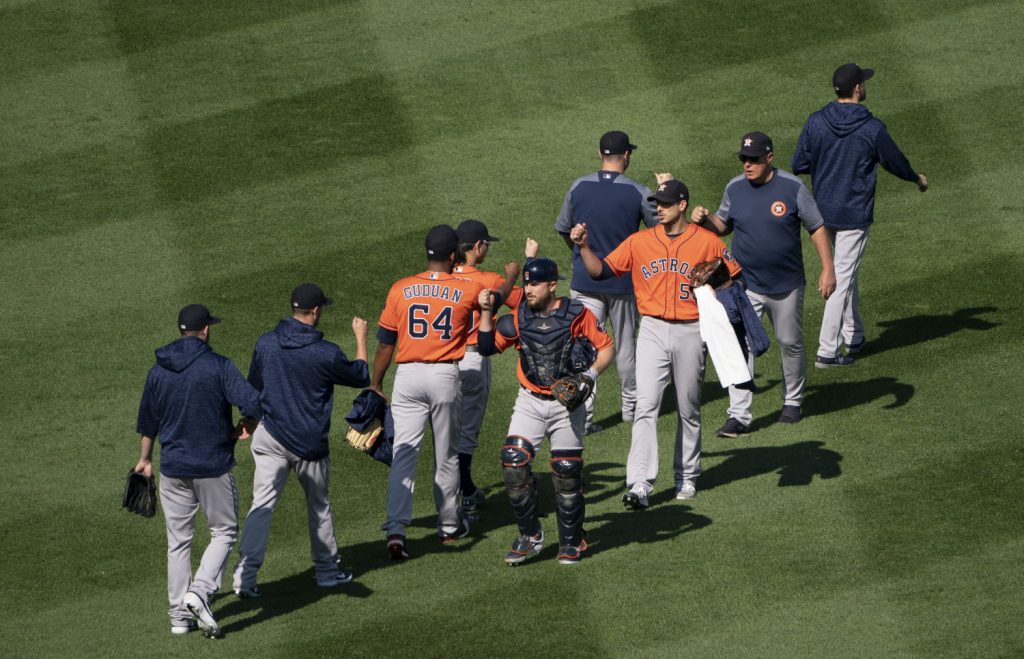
(197, 606)
(338, 579)
(455, 536)
(636, 498)
(733, 428)
(247, 593)
(686, 491)
(396, 548)
(181, 627)
(524, 547)
(790, 414)
(572, 555)
(472, 501)
(854, 348)
(832, 362)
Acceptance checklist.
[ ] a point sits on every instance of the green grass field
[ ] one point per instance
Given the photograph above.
(153, 155)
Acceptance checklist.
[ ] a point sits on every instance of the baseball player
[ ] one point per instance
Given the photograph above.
(474, 369)
(669, 344)
(766, 207)
(425, 326)
(295, 370)
(186, 404)
(841, 146)
(613, 206)
(544, 328)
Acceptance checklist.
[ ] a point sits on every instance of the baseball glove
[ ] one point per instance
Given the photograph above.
(364, 440)
(571, 391)
(139, 494)
(583, 355)
(714, 273)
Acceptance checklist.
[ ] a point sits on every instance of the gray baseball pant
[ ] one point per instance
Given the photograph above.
(666, 350)
(841, 322)
(786, 311)
(273, 464)
(425, 393)
(536, 418)
(475, 378)
(181, 498)
(621, 311)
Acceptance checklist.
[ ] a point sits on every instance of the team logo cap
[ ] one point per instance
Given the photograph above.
(442, 241)
(538, 270)
(671, 192)
(307, 296)
(194, 317)
(615, 142)
(848, 76)
(755, 145)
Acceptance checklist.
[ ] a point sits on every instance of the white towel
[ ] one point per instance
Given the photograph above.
(718, 334)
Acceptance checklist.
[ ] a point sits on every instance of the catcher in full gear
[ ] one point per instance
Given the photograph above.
(562, 349)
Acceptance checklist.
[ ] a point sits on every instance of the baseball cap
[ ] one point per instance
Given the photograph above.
(442, 241)
(470, 231)
(194, 317)
(307, 296)
(755, 145)
(614, 142)
(671, 192)
(848, 76)
(538, 270)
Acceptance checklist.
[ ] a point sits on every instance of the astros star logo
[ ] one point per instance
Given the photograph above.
(661, 188)
(779, 208)
(748, 142)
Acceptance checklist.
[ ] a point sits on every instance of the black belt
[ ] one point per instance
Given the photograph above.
(537, 395)
(676, 322)
(472, 349)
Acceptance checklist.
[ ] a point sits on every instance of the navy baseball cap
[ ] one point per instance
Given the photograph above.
(671, 192)
(194, 317)
(442, 241)
(615, 142)
(538, 270)
(471, 231)
(307, 296)
(848, 76)
(755, 145)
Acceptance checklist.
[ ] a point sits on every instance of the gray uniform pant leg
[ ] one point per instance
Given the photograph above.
(422, 393)
(475, 378)
(666, 350)
(786, 313)
(621, 311)
(841, 322)
(535, 418)
(181, 498)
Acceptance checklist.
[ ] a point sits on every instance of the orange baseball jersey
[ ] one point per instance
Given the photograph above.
(660, 267)
(491, 280)
(583, 325)
(431, 313)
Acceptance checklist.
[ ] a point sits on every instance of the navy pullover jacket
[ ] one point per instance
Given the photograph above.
(295, 370)
(840, 147)
(186, 404)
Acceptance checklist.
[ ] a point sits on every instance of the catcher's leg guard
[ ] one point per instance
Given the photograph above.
(516, 459)
(567, 476)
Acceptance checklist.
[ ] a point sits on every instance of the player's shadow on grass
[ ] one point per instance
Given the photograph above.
(909, 331)
(796, 464)
(612, 530)
(281, 597)
(835, 396)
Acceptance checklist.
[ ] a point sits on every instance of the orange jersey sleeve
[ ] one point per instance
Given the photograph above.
(659, 266)
(432, 314)
(489, 280)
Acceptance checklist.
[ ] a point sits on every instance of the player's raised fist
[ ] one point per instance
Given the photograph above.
(698, 215)
(922, 182)
(578, 235)
(486, 299)
(511, 270)
(359, 326)
(532, 248)
(661, 177)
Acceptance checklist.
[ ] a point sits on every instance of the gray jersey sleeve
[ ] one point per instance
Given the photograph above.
(648, 208)
(723, 208)
(564, 223)
(807, 208)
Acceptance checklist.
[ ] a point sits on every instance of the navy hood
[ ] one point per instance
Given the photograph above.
(292, 333)
(844, 118)
(179, 355)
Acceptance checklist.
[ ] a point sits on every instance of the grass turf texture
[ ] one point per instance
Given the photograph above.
(155, 156)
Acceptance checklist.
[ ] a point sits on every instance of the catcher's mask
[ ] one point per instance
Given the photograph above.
(539, 270)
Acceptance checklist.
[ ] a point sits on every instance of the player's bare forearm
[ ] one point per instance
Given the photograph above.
(381, 362)
(145, 464)
(827, 280)
(359, 328)
(604, 358)
(591, 262)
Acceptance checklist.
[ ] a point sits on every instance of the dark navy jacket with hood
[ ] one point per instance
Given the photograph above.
(186, 404)
(840, 147)
(295, 370)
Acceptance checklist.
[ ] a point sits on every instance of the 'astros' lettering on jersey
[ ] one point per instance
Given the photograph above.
(431, 312)
(660, 266)
(489, 280)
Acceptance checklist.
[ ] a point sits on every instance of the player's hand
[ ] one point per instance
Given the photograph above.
(359, 327)
(146, 467)
(827, 283)
(661, 177)
(532, 248)
(698, 215)
(511, 271)
(578, 235)
(922, 182)
(240, 432)
(380, 392)
(486, 300)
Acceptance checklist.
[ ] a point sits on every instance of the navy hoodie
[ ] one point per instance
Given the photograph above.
(186, 404)
(840, 147)
(295, 370)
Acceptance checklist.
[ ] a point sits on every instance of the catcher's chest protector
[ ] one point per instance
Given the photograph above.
(545, 342)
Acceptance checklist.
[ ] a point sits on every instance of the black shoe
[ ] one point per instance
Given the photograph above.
(790, 414)
(733, 428)
(854, 348)
(832, 362)
(396, 548)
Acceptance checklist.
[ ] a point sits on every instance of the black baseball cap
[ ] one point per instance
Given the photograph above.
(672, 191)
(848, 76)
(470, 231)
(755, 145)
(541, 269)
(442, 241)
(194, 317)
(307, 296)
(615, 142)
